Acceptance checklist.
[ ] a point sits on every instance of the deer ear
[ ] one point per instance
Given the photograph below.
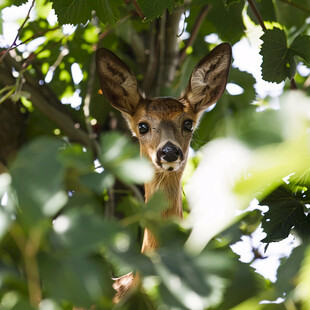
(208, 80)
(118, 83)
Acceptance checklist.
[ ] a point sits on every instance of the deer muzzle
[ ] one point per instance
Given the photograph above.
(169, 157)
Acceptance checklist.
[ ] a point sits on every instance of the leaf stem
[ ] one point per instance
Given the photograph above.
(139, 11)
(257, 14)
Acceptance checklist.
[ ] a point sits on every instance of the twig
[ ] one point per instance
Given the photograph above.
(257, 14)
(59, 59)
(203, 13)
(296, 5)
(36, 35)
(139, 11)
(13, 45)
(109, 29)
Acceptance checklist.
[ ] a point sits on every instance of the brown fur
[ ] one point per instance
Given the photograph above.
(165, 118)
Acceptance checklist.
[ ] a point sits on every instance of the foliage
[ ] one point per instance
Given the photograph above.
(71, 208)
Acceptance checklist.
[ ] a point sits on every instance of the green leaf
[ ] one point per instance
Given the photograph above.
(98, 182)
(185, 280)
(279, 58)
(37, 178)
(105, 12)
(227, 21)
(285, 212)
(121, 157)
(80, 11)
(72, 11)
(116, 147)
(277, 62)
(292, 14)
(301, 47)
(155, 9)
(82, 232)
(19, 2)
(288, 270)
(76, 156)
(266, 9)
(79, 280)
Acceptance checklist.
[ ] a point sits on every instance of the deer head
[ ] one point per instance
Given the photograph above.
(164, 126)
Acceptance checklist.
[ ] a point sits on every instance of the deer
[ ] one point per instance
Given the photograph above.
(164, 127)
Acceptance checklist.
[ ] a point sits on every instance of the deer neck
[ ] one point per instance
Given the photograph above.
(170, 184)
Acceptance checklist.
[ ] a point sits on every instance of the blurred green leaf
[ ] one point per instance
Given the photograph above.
(303, 281)
(49, 304)
(83, 233)
(121, 157)
(80, 280)
(77, 156)
(37, 178)
(98, 182)
(243, 283)
(292, 15)
(289, 268)
(189, 284)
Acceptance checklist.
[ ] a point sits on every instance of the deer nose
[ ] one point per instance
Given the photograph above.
(169, 152)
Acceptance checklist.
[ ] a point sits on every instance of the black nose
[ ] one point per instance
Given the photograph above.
(169, 152)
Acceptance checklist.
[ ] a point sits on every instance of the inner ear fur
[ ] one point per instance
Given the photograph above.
(208, 79)
(118, 83)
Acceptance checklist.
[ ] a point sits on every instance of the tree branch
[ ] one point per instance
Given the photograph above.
(171, 60)
(42, 102)
(13, 45)
(149, 73)
(161, 41)
(36, 35)
(200, 18)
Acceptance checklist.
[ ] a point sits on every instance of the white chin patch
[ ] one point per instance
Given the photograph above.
(173, 166)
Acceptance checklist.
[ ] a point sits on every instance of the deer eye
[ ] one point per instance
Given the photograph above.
(188, 125)
(143, 128)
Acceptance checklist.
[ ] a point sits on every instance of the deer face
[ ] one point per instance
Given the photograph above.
(164, 126)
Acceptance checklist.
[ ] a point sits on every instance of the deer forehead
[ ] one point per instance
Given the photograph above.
(163, 109)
